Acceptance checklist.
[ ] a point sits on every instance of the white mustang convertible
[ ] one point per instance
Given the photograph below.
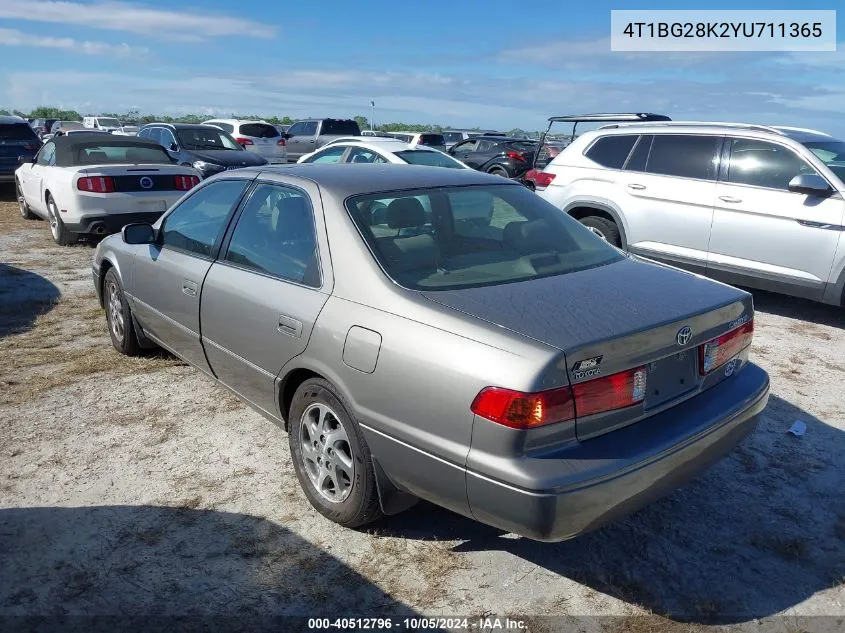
(94, 184)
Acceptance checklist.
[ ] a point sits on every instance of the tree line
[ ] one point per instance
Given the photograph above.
(49, 112)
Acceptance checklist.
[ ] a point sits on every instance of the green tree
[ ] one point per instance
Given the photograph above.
(45, 112)
(363, 122)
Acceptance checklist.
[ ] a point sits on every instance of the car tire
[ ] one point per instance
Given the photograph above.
(119, 316)
(498, 171)
(60, 234)
(26, 212)
(604, 228)
(331, 457)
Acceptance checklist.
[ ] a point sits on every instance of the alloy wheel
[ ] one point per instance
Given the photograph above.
(326, 453)
(598, 232)
(115, 311)
(54, 219)
(21, 200)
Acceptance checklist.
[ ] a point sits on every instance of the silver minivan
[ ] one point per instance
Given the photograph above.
(259, 137)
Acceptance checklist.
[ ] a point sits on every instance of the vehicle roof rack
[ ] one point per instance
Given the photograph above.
(800, 129)
(597, 117)
(746, 126)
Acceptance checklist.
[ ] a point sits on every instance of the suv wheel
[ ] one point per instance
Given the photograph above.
(604, 228)
(499, 171)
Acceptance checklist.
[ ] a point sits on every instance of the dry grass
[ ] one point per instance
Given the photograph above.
(648, 624)
(10, 217)
(67, 342)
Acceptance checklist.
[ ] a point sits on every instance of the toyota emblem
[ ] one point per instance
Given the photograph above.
(684, 335)
(146, 182)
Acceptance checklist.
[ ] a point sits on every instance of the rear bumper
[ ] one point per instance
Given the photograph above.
(108, 223)
(640, 464)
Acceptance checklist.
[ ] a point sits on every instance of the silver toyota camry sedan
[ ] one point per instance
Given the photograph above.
(441, 334)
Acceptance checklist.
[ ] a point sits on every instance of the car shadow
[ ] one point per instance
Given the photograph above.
(166, 569)
(7, 192)
(760, 532)
(797, 308)
(24, 295)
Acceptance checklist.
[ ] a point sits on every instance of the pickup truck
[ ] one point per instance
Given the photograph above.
(307, 135)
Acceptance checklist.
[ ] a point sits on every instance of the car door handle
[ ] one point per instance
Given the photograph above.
(189, 288)
(636, 186)
(290, 326)
(730, 199)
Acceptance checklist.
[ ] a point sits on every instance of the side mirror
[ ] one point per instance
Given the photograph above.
(174, 147)
(810, 184)
(287, 135)
(138, 234)
(23, 160)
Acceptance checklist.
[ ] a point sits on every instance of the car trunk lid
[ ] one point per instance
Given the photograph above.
(613, 318)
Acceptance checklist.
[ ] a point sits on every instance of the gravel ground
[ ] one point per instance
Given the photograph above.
(137, 487)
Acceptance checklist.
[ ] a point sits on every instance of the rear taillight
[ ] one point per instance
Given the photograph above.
(520, 410)
(713, 354)
(541, 179)
(515, 156)
(616, 391)
(244, 141)
(184, 183)
(282, 142)
(524, 410)
(29, 148)
(96, 184)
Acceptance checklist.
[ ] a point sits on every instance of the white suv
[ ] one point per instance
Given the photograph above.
(756, 206)
(259, 137)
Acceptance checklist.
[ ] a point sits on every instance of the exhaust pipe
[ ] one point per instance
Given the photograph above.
(98, 228)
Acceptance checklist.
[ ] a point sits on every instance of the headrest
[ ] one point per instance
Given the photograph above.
(405, 254)
(403, 213)
(92, 156)
(528, 237)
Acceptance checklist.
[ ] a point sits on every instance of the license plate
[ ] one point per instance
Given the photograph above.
(152, 206)
(671, 377)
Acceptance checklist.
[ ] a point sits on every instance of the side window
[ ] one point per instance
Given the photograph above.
(226, 127)
(485, 146)
(145, 133)
(197, 223)
(611, 151)
(686, 156)
(763, 164)
(47, 155)
(638, 158)
(330, 155)
(466, 146)
(167, 138)
(155, 134)
(309, 128)
(275, 235)
(296, 129)
(361, 155)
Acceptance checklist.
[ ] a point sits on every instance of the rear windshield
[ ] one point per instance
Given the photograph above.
(447, 238)
(452, 137)
(95, 154)
(104, 122)
(432, 139)
(206, 138)
(522, 146)
(17, 132)
(426, 157)
(346, 127)
(260, 130)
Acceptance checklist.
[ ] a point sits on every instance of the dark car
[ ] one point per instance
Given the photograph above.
(42, 126)
(18, 141)
(206, 148)
(500, 156)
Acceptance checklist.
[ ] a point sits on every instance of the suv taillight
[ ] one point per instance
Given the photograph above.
(96, 184)
(718, 351)
(515, 156)
(243, 141)
(520, 410)
(282, 142)
(541, 179)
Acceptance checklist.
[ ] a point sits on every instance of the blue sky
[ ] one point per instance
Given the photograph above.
(490, 64)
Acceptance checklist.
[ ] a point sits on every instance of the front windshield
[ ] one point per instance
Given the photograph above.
(447, 238)
(432, 159)
(206, 138)
(831, 153)
(108, 122)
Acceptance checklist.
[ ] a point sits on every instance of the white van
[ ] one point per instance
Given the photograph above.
(104, 123)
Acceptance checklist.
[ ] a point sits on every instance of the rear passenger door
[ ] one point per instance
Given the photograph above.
(262, 296)
(667, 190)
(764, 235)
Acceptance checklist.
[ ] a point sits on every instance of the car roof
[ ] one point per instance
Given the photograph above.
(67, 146)
(352, 179)
(181, 126)
(11, 118)
(239, 121)
(714, 127)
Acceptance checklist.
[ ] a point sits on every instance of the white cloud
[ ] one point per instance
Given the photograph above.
(12, 37)
(136, 18)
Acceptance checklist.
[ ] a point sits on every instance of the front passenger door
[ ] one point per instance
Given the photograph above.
(165, 281)
(463, 151)
(262, 297)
